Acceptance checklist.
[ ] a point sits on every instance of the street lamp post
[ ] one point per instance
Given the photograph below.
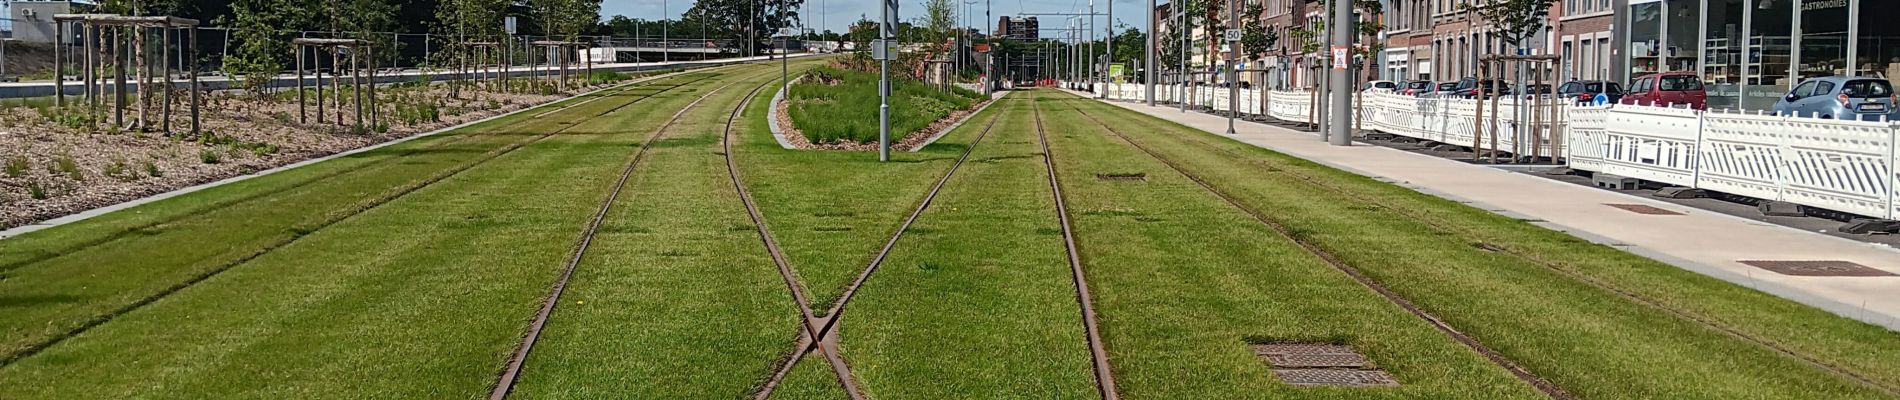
(1186, 46)
(666, 53)
(1233, 71)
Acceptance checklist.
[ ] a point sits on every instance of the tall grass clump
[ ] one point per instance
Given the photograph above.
(831, 105)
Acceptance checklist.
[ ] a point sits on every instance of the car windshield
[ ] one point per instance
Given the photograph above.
(1680, 84)
(1867, 89)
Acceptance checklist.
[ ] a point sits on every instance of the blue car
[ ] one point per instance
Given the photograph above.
(1840, 97)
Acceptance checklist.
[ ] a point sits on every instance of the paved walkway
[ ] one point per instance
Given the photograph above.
(1702, 241)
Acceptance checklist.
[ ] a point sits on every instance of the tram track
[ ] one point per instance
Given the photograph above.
(835, 313)
(1569, 272)
(511, 371)
(457, 139)
(1098, 351)
(296, 233)
(1496, 358)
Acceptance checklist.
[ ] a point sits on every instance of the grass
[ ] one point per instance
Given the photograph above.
(422, 296)
(1587, 340)
(151, 249)
(834, 113)
(1184, 283)
(976, 302)
(712, 312)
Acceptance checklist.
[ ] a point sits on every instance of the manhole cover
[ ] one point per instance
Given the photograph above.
(1123, 177)
(1817, 268)
(1643, 209)
(1335, 377)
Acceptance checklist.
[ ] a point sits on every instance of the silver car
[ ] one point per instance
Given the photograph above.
(1840, 97)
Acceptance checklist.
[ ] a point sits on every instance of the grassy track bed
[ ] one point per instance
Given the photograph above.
(1184, 282)
(832, 210)
(1589, 341)
(675, 287)
(976, 301)
(422, 297)
(50, 298)
(1868, 351)
(147, 219)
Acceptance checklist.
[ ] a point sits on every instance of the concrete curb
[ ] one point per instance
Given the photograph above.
(999, 95)
(89, 214)
(771, 115)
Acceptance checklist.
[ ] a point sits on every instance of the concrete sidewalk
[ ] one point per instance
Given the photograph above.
(1706, 242)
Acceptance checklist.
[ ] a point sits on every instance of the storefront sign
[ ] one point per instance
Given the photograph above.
(1812, 5)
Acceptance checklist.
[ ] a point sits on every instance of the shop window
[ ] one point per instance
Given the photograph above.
(1879, 40)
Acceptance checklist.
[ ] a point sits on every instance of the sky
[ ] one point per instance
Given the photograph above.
(837, 14)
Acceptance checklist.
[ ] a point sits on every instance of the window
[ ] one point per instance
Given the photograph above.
(1867, 89)
(1804, 90)
(1823, 88)
(1681, 83)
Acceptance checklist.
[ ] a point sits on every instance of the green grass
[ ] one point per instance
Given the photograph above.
(847, 111)
(1185, 282)
(976, 301)
(423, 296)
(151, 249)
(1587, 340)
(678, 259)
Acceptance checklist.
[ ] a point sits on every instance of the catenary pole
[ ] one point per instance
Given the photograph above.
(1339, 134)
(888, 32)
(1148, 59)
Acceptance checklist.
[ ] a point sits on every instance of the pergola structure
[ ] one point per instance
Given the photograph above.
(557, 53)
(336, 48)
(101, 50)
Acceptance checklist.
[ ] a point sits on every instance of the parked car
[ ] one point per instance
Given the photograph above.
(1415, 88)
(1380, 86)
(1468, 87)
(1443, 89)
(1666, 89)
(1840, 97)
(1537, 89)
(1586, 91)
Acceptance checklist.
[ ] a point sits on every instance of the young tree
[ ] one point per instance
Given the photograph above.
(939, 19)
(263, 45)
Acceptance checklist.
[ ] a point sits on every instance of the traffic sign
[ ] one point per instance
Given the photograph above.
(881, 50)
(1601, 99)
(786, 32)
(509, 25)
(1233, 35)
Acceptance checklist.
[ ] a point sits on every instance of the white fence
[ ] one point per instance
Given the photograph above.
(1845, 166)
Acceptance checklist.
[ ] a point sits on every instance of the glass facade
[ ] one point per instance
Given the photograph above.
(1751, 52)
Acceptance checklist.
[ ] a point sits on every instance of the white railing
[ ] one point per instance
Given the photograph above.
(1845, 166)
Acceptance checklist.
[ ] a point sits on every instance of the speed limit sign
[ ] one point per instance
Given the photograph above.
(1233, 35)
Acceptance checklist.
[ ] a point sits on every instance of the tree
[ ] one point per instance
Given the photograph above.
(1130, 45)
(939, 19)
(263, 45)
(754, 21)
(1516, 20)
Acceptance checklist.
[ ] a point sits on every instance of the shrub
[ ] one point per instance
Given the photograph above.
(70, 167)
(829, 106)
(151, 169)
(17, 166)
(209, 156)
(34, 190)
(117, 170)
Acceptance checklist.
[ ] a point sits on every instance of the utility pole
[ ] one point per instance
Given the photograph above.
(785, 52)
(1111, 48)
(666, 51)
(1233, 72)
(884, 82)
(1148, 61)
(1339, 133)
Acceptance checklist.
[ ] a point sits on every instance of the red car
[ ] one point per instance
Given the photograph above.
(1681, 89)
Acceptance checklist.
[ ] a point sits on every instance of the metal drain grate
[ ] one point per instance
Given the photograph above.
(1817, 268)
(1335, 377)
(1123, 177)
(1643, 209)
(1321, 364)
